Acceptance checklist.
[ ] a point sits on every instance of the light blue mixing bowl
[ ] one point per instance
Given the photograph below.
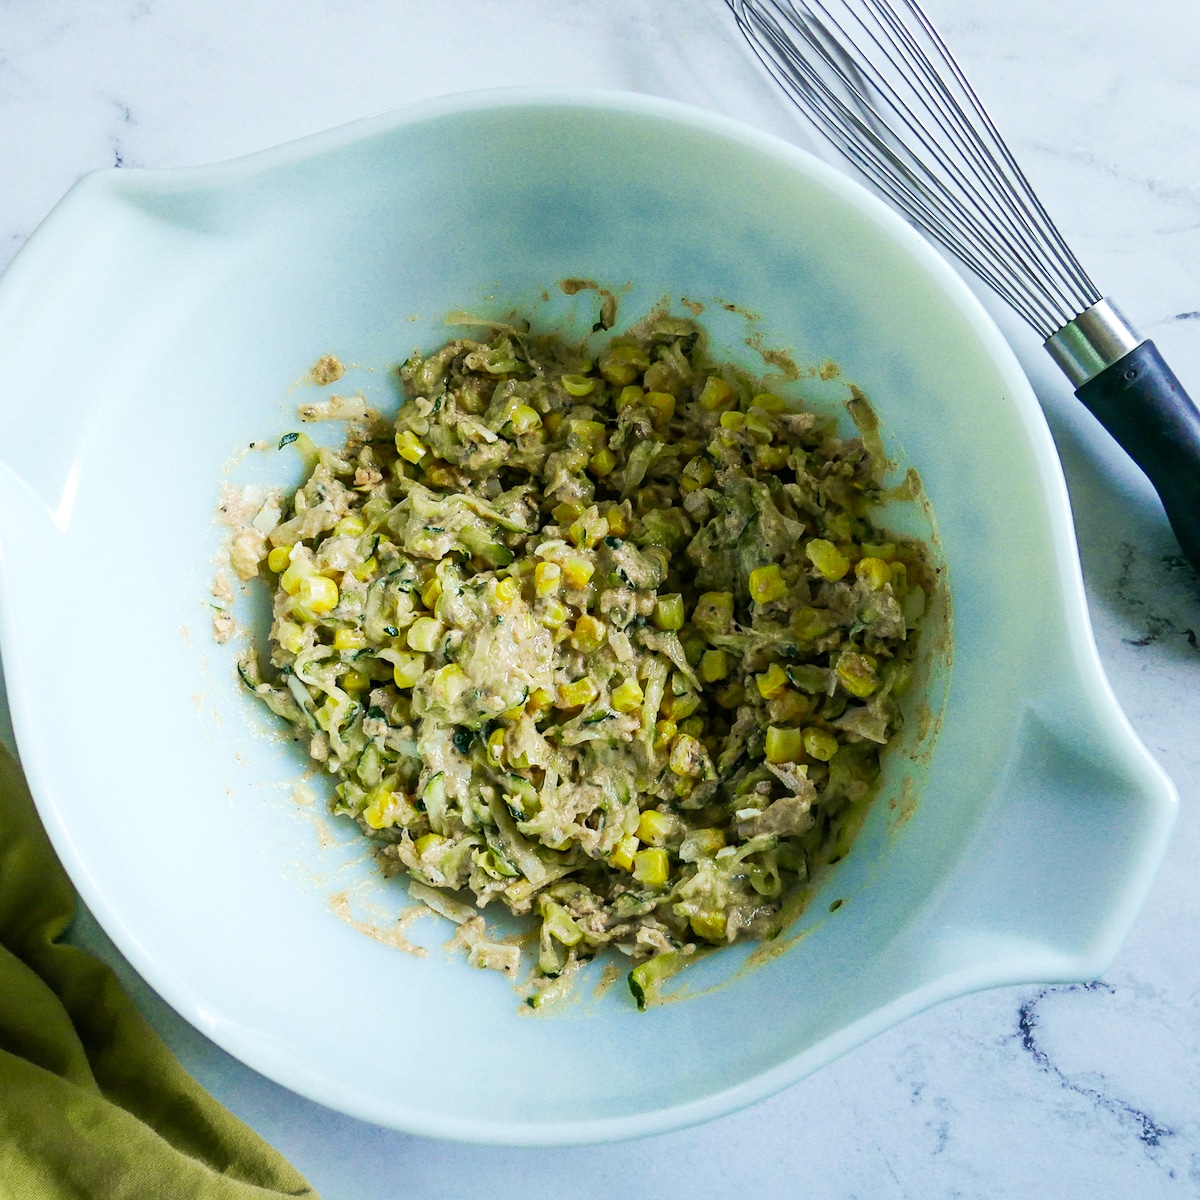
(152, 327)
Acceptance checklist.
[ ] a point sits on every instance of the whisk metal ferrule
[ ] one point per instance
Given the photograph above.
(1092, 342)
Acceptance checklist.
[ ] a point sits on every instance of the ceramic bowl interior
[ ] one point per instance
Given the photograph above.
(160, 322)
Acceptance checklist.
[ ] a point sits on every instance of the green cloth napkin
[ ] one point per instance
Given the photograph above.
(93, 1106)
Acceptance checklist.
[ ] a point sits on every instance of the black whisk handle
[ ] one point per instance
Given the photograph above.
(1141, 403)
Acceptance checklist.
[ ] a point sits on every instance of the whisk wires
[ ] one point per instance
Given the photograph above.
(876, 79)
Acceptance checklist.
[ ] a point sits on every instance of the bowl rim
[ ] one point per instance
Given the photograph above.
(22, 277)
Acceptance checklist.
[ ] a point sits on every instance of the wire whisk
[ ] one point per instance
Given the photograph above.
(877, 80)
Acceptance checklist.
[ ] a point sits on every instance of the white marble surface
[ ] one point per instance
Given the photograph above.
(1059, 1092)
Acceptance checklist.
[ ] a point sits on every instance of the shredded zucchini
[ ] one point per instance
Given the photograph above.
(611, 640)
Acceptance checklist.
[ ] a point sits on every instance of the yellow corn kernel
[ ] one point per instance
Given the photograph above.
(279, 558)
(290, 636)
(693, 726)
(407, 669)
(827, 558)
(687, 755)
(566, 512)
(355, 681)
(618, 523)
(651, 867)
(602, 463)
(710, 926)
(791, 706)
(716, 393)
(714, 612)
(627, 696)
(679, 708)
(654, 827)
(577, 385)
(664, 734)
(631, 395)
(431, 591)
(553, 614)
(525, 419)
(856, 673)
(884, 550)
(819, 743)
(623, 855)
(714, 665)
(553, 421)
(899, 577)
(318, 594)
(423, 634)
(771, 682)
(874, 572)
(697, 474)
(577, 572)
(546, 578)
(295, 574)
(507, 590)
(381, 809)
(540, 701)
(767, 584)
(495, 746)
(731, 696)
(409, 447)
(351, 526)
(448, 684)
(771, 458)
(349, 639)
(769, 403)
(365, 569)
(589, 634)
(784, 744)
(431, 841)
(575, 695)
(622, 363)
(668, 612)
(661, 406)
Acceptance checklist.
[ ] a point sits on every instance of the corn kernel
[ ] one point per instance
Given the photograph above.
(697, 474)
(577, 572)
(714, 665)
(351, 526)
(874, 572)
(366, 568)
(771, 682)
(295, 574)
(448, 684)
(507, 590)
(318, 594)
(553, 614)
(664, 734)
(767, 584)
(540, 701)
(423, 634)
(407, 669)
(602, 463)
(771, 458)
(716, 393)
(380, 812)
(623, 855)
(349, 639)
(661, 406)
(546, 578)
(769, 403)
(618, 524)
(668, 612)
(731, 696)
(290, 636)
(733, 421)
(710, 926)
(654, 827)
(827, 558)
(714, 612)
(679, 708)
(622, 363)
(495, 746)
(525, 419)
(431, 841)
(279, 558)
(856, 673)
(884, 550)
(651, 867)
(354, 681)
(784, 745)
(431, 591)
(575, 695)
(693, 726)
(627, 696)
(566, 512)
(687, 756)
(631, 395)
(819, 743)
(791, 706)
(589, 634)
(409, 447)
(552, 422)
(577, 385)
